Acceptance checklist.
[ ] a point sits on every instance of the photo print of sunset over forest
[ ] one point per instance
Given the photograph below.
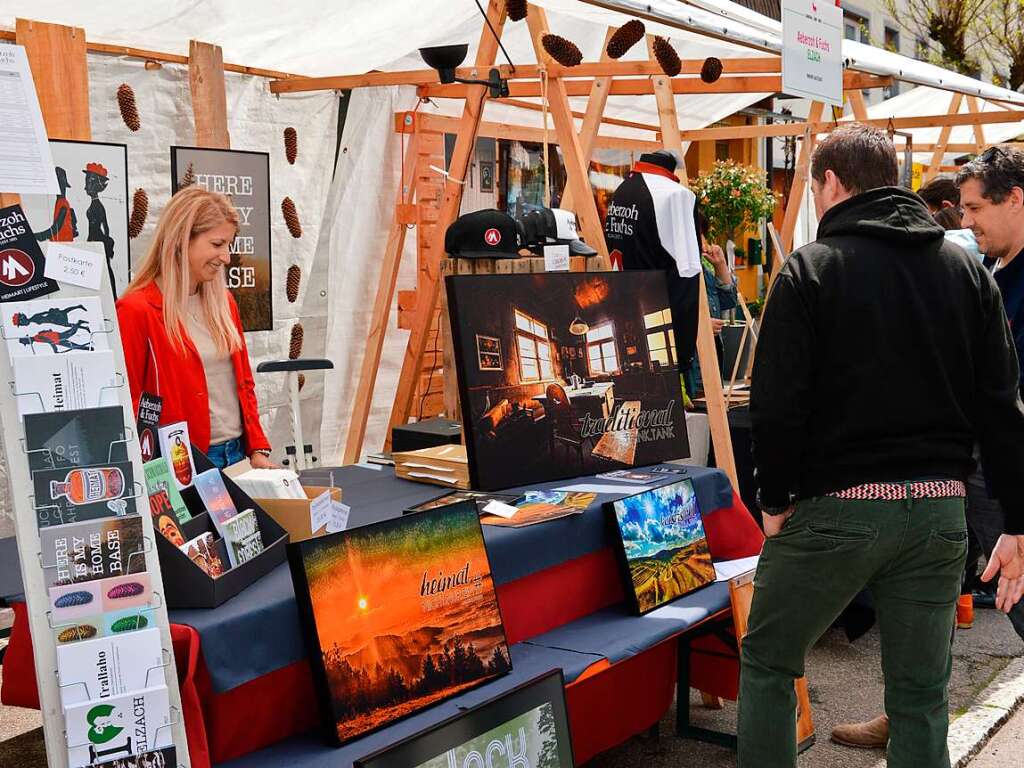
(404, 614)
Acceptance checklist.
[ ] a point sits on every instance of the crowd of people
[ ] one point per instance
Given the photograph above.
(888, 437)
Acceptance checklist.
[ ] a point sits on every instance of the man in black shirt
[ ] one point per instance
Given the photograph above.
(865, 405)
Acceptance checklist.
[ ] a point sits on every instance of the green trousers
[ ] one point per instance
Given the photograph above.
(911, 555)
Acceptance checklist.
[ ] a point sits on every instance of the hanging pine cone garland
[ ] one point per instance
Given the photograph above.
(625, 37)
(711, 70)
(561, 50)
(302, 381)
(291, 217)
(291, 145)
(129, 110)
(140, 210)
(292, 283)
(516, 9)
(295, 347)
(189, 178)
(667, 57)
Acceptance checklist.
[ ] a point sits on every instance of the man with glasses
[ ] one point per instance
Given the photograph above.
(860, 491)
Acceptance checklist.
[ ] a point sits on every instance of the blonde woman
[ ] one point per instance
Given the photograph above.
(182, 336)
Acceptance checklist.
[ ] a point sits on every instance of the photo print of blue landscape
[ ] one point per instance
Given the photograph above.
(663, 545)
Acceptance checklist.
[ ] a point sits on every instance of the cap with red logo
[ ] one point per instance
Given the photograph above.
(488, 234)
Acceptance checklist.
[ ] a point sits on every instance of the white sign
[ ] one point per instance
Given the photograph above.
(26, 166)
(812, 59)
(339, 517)
(556, 258)
(78, 266)
(321, 510)
(495, 507)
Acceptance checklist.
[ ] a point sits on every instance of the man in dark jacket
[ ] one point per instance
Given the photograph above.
(865, 405)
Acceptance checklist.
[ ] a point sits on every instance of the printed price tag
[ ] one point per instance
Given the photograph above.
(321, 511)
(556, 258)
(500, 509)
(78, 266)
(339, 517)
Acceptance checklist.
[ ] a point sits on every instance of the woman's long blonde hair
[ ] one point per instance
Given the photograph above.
(190, 212)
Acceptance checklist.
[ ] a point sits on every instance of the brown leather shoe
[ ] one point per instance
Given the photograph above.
(874, 734)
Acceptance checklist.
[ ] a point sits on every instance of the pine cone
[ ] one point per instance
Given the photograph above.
(189, 178)
(625, 37)
(711, 70)
(561, 50)
(292, 283)
(516, 9)
(302, 381)
(291, 145)
(291, 217)
(295, 347)
(667, 57)
(129, 110)
(140, 210)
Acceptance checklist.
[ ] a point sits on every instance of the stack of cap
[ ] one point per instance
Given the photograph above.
(488, 234)
(553, 226)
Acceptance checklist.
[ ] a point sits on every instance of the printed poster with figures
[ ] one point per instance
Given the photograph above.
(245, 178)
(91, 205)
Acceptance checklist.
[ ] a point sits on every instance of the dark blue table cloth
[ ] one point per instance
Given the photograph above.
(264, 618)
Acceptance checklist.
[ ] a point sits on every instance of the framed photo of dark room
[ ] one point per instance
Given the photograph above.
(527, 726)
(398, 616)
(539, 413)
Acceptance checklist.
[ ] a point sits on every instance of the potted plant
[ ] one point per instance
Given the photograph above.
(734, 198)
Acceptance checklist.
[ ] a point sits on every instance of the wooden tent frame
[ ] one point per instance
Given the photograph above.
(595, 80)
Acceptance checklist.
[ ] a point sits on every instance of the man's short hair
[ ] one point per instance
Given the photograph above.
(860, 156)
(999, 169)
(939, 190)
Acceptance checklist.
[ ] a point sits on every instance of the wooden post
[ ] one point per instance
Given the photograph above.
(800, 174)
(576, 168)
(381, 311)
(209, 100)
(592, 119)
(667, 117)
(979, 131)
(426, 297)
(940, 146)
(860, 110)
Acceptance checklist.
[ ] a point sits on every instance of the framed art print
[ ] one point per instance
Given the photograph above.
(661, 543)
(488, 350)
(532, 411)
(527, 727)
(486, 175)
(398, 616)
(245, 178)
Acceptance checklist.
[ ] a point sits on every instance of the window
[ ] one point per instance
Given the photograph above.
(921, 49)
(601, 351)
(855, 27)
(661, 339)
(534, 349)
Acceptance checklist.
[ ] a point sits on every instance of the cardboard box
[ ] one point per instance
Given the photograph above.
(294, 514)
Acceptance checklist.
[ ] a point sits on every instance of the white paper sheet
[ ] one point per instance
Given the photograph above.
(727, 569)
(495, 507)
(75, 265)
(339, 517)
(321, 511)
(26, 165)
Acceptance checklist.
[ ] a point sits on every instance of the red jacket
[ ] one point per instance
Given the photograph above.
(157, 367)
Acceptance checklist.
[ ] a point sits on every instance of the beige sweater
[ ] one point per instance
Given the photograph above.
(225, 412)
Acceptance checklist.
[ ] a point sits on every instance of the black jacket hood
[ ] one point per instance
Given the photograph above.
(893, 213)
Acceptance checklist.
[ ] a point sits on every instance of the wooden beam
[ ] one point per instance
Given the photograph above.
(798, 128)
(979, 131)
(605, 120)
(429, 286)
(603, 68)
(860, 109)
(162, 57)
(381, 309)
(593, 117)
(667, 117)
(209, 98)
(446, 124)
(800, 175)
(642, 86)
(940, 146)
(57, 56)
(576, 169)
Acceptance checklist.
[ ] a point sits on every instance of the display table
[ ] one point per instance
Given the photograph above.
(246, 684)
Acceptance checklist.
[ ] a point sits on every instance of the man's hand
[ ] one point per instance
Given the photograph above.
(716, 325)
(259, 461)
(1007, 560)
(773, 523)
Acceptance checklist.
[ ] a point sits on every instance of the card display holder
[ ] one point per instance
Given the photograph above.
(186, 584)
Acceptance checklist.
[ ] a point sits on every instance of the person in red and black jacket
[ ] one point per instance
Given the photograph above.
(182, 336)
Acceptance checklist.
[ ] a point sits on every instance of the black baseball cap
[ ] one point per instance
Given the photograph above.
(488, 234)
(553, 226)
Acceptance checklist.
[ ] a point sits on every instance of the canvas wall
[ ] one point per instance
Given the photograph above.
(256, 121)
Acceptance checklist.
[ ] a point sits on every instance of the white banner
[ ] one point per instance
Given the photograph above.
(812, 39)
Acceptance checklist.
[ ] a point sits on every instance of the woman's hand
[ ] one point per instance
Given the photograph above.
(259, 461)
(716, 326)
